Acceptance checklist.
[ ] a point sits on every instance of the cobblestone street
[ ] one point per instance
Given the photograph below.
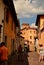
(31, 59)
(34, 59)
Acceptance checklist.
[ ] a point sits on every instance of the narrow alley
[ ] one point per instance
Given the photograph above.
(21, 32)
(31, 59)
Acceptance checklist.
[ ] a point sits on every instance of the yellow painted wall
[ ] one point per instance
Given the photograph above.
(2, 6)
(11, 34)
(41, 23)
(41, 34)
(26, 34)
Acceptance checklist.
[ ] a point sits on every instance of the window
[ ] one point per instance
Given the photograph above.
(30, 42)
(30, 37)
(2, 21)
(6, 13)
(34, 31)
(30, 31)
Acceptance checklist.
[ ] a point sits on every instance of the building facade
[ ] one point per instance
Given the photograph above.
(40, 24)
(2, 6)
(10, 23)
(29, 35)
(17, 39)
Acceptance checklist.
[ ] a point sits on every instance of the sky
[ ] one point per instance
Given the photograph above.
(27, 10)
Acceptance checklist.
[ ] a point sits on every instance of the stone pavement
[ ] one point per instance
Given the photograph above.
(18, 60)
(32, 58)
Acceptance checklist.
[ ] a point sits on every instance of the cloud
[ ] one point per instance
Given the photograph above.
(26, 9)
(25, 15)
(33, 25)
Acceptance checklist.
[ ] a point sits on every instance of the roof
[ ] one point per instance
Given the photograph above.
(38, 18)
(11, 7)
(25, 24)
(29, 28)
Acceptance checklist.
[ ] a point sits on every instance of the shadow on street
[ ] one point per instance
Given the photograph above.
(18, 59)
